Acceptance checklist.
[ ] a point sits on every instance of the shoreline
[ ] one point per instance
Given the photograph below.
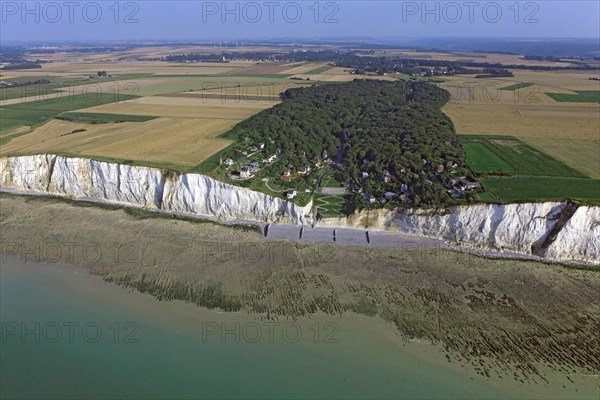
(504, 307)
(326, 234)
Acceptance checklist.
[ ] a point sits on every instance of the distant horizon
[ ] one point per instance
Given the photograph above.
(296, 39)
(228, 20)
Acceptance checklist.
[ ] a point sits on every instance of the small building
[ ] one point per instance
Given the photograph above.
(405, 199)
(270, 159)
(245, 172)
(456, 193)
(389, 195)
(440, 169)
(365, 175)
(286, 175)
(467, 186)
(304, 170)
(228, 162)
(290, 194)
(386, 176)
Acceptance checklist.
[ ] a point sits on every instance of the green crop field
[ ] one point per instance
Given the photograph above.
(482, 160)
(43, 91)
(507, 154)
(532, 188)
(98, 118)
(37, 112)
(319, 70)
(517, 86)
(582, 96)
(270, 76)
(527, 174)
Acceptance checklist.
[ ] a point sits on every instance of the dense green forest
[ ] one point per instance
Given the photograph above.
(365, 126)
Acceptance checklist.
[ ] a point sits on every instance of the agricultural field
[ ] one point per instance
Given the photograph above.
(188, 107)
(582, 155)
(531, 188)
(517, 86)
(189, 140)
(580, 96)
(511, 170)
(510, 156)
(481, 107)
(35, 113)
(182, 107)
(320, 70)
(97, 118)
(558, 142)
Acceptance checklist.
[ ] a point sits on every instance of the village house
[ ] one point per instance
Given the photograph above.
(405, 199)
(270, 159)
(470, 186)
(440, 169)
(286, 175)
(245, 172)
(304, 170)
(386, 176)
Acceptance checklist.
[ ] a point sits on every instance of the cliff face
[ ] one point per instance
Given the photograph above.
(201, 195)
(513, 227)
(125, 184)
(146, 187)
(556, 231)
(579, 239)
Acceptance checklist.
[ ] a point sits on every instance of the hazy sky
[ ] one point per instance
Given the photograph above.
(102, 20)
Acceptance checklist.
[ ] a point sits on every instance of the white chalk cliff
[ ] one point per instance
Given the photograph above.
(555, 231)
(150, 188)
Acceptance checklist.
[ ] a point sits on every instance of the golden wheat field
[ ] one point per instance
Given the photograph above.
(479, 106)
(179, 142)
(179, 107)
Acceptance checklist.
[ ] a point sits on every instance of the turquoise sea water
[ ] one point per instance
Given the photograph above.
(171, 350)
